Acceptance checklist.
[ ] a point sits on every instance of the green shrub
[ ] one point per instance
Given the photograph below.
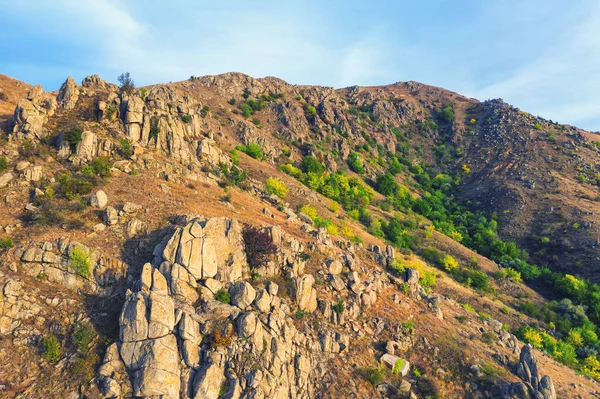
(235, 157)
(125, 148)
(232, 176)
(98, 167)
(186, 118)
(3, 163)
(83, 334)
(311, 164)
(373, 375)
(111, 111)
(387, 185)
(73, 136)
(339, 307)
(446, 114)
(73, 186)
(416, 372)
(51, 349)
(299, 314)
(398, 366)
(290, 169)
(311, 110)
(223, 296)
(204, 111)
(143, 93)
(252, 149)
(80, 261)
(356, 163)
(276, 187)
(6, 243)
(231, 101)
(428, 279)
(246, 110)
(468, 307)
(449, 263)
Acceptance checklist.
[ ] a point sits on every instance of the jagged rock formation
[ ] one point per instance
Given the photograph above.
(533, 386)
(173, 347)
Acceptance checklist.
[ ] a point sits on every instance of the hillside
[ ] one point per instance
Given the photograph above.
(232, 237)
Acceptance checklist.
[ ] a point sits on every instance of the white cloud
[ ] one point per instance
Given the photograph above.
(563, 81)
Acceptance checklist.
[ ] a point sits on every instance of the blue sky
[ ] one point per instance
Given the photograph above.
(540, 55)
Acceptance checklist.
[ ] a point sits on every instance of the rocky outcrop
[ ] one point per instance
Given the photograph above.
(68, 94)
(533, 386)
(32, 113)
(177, 341)
(71, 264)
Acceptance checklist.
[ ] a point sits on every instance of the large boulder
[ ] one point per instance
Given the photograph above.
(99, 199)
(242, 294)
(304, 294)
(68, 94)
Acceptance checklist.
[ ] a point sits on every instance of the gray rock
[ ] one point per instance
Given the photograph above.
(99, 199)
(242, 294)
(110, 217)
(208, 381)
(5, 179)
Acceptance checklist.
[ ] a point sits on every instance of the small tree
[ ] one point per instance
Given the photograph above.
(127, 83)
(259, 246)
(277, 187)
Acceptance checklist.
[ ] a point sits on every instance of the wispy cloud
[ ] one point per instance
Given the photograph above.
(540, 55)
(563, 81)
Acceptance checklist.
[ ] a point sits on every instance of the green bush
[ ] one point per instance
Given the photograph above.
(204, 111)
(246, 110)
(6, 243)
(446, 114)
(125, 148)
(232, 176)
(356, 164)
(290, 169)
(235, 157)
(80, 261)
(398, 366)
(373, 375)
(73, 136)
(252, 149)
(311, 164)
(311, 110)
(276, 187)
(339, 307)
(51, 349)
(387, 185)
(186, 118)
(98, 167)
(223, 296)
(449, 263)
(111, 111)
(299, 314)
(73, 186)
(83, 334)
(3, 163)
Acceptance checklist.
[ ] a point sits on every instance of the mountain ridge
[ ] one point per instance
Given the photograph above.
(349, 184)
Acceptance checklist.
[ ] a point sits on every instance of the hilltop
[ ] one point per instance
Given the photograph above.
(233, 237)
